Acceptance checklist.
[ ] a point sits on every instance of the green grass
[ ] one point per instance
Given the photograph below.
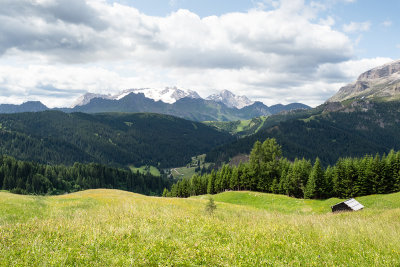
(145, 169)
(190, 169)
(183, 172)
(117, 228)
(289, 205)
(240, 127)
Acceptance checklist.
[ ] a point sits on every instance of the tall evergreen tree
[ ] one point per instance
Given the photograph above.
(315, 184)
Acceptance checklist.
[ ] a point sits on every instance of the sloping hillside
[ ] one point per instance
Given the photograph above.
(118, 139)
(329, 132)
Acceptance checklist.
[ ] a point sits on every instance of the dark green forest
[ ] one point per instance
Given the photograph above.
(355, 130)
(117, 139)
(268, 171)
(33, 178)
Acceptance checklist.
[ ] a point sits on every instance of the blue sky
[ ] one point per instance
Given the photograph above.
(275, 51)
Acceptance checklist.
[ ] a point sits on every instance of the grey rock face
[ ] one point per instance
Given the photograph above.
(380, 82)
(380, 72)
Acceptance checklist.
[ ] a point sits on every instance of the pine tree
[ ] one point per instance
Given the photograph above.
(211, 183)
(315, 183)
(165, 192)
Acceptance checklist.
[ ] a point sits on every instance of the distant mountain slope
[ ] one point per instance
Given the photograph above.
(328, 132)
(117, 139)
(382, 82)
(281, 108)
(30, 106)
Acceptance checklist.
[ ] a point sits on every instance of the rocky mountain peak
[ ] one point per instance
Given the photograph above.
(381, 71)
(382, 82)
(230, 99)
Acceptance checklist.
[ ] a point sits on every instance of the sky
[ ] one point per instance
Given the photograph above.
(274, 51)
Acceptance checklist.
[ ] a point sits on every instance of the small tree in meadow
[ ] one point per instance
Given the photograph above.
(210, 207)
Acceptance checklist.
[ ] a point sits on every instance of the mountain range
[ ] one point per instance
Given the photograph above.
(187, 104)
(167, 95)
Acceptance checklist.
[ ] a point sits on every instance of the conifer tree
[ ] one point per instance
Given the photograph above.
(315, 183)
(211, 183)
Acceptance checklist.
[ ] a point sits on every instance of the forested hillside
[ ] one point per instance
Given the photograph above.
(54, 137)
(32, 178)
(330, 131)
(268, 171)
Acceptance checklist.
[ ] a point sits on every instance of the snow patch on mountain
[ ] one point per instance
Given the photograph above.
(167, 95)
(85, 99)
(230, 99)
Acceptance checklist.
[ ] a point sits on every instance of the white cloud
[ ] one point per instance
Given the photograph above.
(275, 55)
(387, 23)
(329, 21)
(353, 27)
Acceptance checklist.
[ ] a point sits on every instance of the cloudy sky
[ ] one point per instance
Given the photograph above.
(269, 50)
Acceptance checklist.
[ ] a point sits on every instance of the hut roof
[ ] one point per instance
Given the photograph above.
(354, 204)
(350, 205)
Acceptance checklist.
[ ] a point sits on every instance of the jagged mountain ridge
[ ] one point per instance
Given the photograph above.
(381, 82)
(231, 100)
(170, 95)
(167, 95)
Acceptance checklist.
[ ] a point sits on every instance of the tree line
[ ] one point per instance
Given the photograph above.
(267, 171)
(24, 177)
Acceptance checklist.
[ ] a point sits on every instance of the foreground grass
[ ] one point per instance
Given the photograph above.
(111, 227)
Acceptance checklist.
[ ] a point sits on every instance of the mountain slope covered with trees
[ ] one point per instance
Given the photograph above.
(329, 132)
(54, 137)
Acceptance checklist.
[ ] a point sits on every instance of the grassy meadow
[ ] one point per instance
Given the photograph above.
(190, 169)
(145, 169)
(112, 227)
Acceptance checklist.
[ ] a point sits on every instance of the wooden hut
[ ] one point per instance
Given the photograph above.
(348, 205)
